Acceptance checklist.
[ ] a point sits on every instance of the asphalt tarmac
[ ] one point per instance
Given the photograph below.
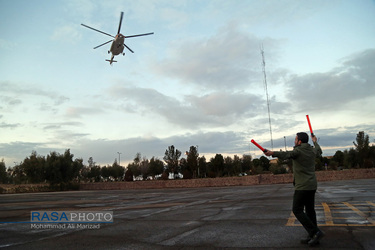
(246, 217)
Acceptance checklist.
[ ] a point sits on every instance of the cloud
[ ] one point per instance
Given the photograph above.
(17, 151)
(53, 126)
(78, 112)
(10, 101)
(215, 109)
(105, 151)
(224, 61)
(15, 92)
(175, 18)
(66, 33)
(9, 125)
(336, 89)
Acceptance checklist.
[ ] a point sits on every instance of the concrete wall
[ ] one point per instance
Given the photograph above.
(262, 179)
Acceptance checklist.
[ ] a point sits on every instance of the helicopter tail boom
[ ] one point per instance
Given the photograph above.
(110, 61)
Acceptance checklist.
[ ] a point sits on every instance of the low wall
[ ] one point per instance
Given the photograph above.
(23, 188)
(249, 180)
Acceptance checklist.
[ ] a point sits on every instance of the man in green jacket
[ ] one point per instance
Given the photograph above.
(305, 184)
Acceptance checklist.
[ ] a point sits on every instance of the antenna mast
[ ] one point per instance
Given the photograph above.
(266, 89)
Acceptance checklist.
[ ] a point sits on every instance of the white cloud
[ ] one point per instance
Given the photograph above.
(66, 33)
(230, 59)
(337, 89)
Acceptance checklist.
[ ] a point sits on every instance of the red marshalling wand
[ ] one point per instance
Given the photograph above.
(259, 146)
(308, 121)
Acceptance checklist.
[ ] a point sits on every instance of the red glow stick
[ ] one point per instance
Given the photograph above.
(259, 146)
(308, 121)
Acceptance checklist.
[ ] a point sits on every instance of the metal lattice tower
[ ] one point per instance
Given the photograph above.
(266, 90)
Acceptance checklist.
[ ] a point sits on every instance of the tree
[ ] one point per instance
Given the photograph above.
(135, 166)
(185, 169)
(3, 172)
(339, 158)
(137, 159)
(202, 167)
(350, 159)
(95, 173)
(53, 168)
(134, 169)
(105, 172)
(156, 167)
(278, 168)
(77, 167)
(129, 175)
(61, 168)
(228, 166)
(371, 160)
(114, 172)
(144, 167)
(265, 163)
(246, 163)
(257, 167)
(216, 167)
(362, 147)
(33, 167)
(171, 158)
(192, 161)
(237, 166)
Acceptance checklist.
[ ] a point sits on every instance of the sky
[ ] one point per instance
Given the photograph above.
(198, 81)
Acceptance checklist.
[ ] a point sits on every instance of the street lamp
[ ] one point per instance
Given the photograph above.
(285, 142)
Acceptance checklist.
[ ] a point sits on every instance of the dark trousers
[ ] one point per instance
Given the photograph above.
(304, 210)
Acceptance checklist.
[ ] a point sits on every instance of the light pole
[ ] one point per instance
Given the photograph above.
(198, 160)
(285, 142)
(119, 163)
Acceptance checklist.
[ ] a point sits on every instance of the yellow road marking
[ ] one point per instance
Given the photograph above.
(341, 212)
(291, 220)
(327, 214)
(359, 212)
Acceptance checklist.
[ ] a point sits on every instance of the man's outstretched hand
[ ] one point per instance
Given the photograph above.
(268, 153)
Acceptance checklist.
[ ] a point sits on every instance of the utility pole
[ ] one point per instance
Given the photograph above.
(266, 89)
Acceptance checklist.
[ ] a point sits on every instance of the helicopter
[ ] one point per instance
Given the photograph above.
(118, 44)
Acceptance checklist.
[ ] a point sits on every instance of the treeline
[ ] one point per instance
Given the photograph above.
(62, 169)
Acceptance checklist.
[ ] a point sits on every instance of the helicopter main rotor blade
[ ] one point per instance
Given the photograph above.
(128, 48)
(146, 34)
(119, 25)
(103, 44)
(97, 30)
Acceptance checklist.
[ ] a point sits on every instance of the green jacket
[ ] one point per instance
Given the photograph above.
(303, 158)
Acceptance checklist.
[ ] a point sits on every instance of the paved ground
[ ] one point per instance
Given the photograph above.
(205, 218)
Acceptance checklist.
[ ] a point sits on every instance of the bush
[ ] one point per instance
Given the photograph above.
(64, 186)
(129, 175)
(275, 169)
(164, 176)
(187, 174)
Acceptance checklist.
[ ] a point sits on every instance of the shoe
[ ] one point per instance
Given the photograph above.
(316, 238)
(305, 240)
